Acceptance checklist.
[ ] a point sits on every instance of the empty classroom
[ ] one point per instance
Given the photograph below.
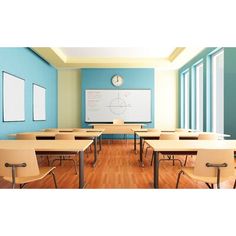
(157, 119)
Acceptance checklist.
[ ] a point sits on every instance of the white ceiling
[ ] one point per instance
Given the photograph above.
(118, 52)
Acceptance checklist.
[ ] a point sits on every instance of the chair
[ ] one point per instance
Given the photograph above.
(181, 130)
(212, 166)
(207, 136)
(148, 147)
(171, 136)
(82, 130)
(51, 130)
(20, 166)
(65, 136)
(79, 130)
(204, 136)
(120, 122)
(25, 136)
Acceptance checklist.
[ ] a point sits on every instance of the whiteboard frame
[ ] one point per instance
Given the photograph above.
(4, 99)
(110, 122)
(34, 110)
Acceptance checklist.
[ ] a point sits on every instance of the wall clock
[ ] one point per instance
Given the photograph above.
(117, 80)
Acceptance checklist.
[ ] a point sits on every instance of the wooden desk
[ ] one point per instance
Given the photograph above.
(72, 129)
(135, 130)
(183, 147)
(78, 135)
(117, 129)
(53, 147)
(156, 135)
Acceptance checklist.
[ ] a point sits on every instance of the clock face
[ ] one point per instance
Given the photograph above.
(117, 80)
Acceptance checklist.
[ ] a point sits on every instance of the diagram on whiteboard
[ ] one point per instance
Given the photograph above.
(118, 105)
(107, 105)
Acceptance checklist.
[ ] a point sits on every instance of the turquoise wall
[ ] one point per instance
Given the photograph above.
(24, 63)
(230, 91)
(133, 79)
(229, 88)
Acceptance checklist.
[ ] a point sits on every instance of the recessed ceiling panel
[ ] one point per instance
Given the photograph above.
(122, 52)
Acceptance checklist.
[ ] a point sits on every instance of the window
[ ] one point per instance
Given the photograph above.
(217, 94)
(199, 95)
(186, 99)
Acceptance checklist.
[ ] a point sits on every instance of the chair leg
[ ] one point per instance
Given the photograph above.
(54, 179)
(211, 186)
(48, 160)
(186, 158)
(146, 151)
(178, 178)
(61, 159)
(74, 165)
(235, 183)
(173, 160)
(54, 161)
(22, 186)
(152, 158)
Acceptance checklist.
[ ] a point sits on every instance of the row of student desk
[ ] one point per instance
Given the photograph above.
(43, 145)
(145, 134)
(47, 147)
(183, 147)
(95, 136)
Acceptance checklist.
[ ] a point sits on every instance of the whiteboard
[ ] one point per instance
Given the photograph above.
(107, 105)
(39, 101)
(13, 98)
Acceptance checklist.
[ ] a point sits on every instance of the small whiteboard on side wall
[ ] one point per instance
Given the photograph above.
(39, 102)
(128, 105)
(13, 98)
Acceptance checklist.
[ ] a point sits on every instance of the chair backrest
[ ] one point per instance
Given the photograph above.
(214, 156)
(51, 130)
(171, 136)
(154, 130)
(181, 130)
(65, 136)
(118, 122)
(79, 130)
(25, 137)
(18, 156)
(208, 136)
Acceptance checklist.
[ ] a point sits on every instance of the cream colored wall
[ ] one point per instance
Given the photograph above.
(69, 98)
(166, 99)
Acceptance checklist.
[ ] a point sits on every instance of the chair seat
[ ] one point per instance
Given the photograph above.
(189, 171)
(44, 171)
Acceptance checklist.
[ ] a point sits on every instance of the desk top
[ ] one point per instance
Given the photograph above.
(82, 129)
(139, 130)
(190, 145)
(118, 125)
(150, 134)
(52, 134)
(47, 145)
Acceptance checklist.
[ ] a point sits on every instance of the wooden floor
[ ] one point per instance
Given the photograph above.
(117, 167)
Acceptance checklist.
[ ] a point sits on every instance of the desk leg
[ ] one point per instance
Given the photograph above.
(141, 151)
(81, 169)
(135, 142)
(100, 143)
(95, 151)
(156, 170)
